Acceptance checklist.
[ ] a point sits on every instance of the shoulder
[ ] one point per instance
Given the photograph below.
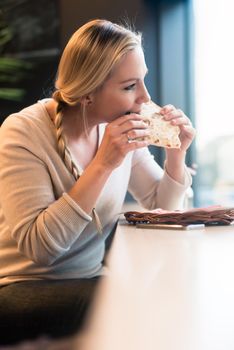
(29, 120)
(27, 115)
(29, 127)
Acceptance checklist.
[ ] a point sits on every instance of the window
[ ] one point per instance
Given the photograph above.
(214, 96)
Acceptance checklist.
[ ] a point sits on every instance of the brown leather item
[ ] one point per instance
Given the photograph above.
(213, 215)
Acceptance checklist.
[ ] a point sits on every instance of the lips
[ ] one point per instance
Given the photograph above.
(134, 112)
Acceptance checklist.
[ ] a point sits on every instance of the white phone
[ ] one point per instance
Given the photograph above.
(172, 226)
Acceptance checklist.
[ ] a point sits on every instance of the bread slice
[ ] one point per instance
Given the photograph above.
(162, 133)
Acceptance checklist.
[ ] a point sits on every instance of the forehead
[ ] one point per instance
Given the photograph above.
(131, 66)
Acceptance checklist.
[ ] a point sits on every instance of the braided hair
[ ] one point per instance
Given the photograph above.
(62, 143)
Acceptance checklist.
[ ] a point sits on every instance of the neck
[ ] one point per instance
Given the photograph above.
(74, 125)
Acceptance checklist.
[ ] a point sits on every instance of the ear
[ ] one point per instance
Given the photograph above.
(87, 100)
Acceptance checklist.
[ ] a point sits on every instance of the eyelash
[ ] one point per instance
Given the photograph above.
(130, 87)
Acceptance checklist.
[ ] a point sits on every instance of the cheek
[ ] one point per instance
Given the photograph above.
(123, 101)
(114, 101)
(114, 104)
(119, 106)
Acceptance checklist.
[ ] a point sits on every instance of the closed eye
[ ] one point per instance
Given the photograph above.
(130, 87)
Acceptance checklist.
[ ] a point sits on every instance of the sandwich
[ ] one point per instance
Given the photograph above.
(162, 133)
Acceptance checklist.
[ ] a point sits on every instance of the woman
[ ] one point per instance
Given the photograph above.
(66, 155)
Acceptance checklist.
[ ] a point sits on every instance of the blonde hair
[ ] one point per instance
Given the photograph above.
(87, 61)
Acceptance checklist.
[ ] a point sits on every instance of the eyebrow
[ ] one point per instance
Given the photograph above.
(128, 80)
(132, 79)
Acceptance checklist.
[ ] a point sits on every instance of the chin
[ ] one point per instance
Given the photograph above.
(110, 119)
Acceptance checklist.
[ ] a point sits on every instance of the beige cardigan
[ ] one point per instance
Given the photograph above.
(43, 232)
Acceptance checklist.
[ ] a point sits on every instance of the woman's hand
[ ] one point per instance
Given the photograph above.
(177, 117)
(175, 158)
(120, 138)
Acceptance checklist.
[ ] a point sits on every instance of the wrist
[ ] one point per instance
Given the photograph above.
(100, 169)
(175, 156)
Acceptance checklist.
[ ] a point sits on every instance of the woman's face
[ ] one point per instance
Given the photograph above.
(123, 92)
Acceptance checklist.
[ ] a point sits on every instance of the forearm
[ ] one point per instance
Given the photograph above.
(175, 163)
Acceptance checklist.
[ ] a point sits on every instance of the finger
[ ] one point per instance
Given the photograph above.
(177, 117)
(167, 109)
(127, 126)
(123, 119)
(136, 134)
(135, 144)
(181, 120)
(175, 113)
(189, 130)
(133, 124)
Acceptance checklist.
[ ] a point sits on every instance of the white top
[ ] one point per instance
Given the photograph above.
(43, 232)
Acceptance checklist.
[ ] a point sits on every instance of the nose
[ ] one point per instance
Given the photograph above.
(144, 95)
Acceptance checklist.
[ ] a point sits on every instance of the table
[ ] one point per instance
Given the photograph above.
(167, 290)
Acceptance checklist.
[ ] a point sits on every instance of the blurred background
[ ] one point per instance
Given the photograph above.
(189, 52)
